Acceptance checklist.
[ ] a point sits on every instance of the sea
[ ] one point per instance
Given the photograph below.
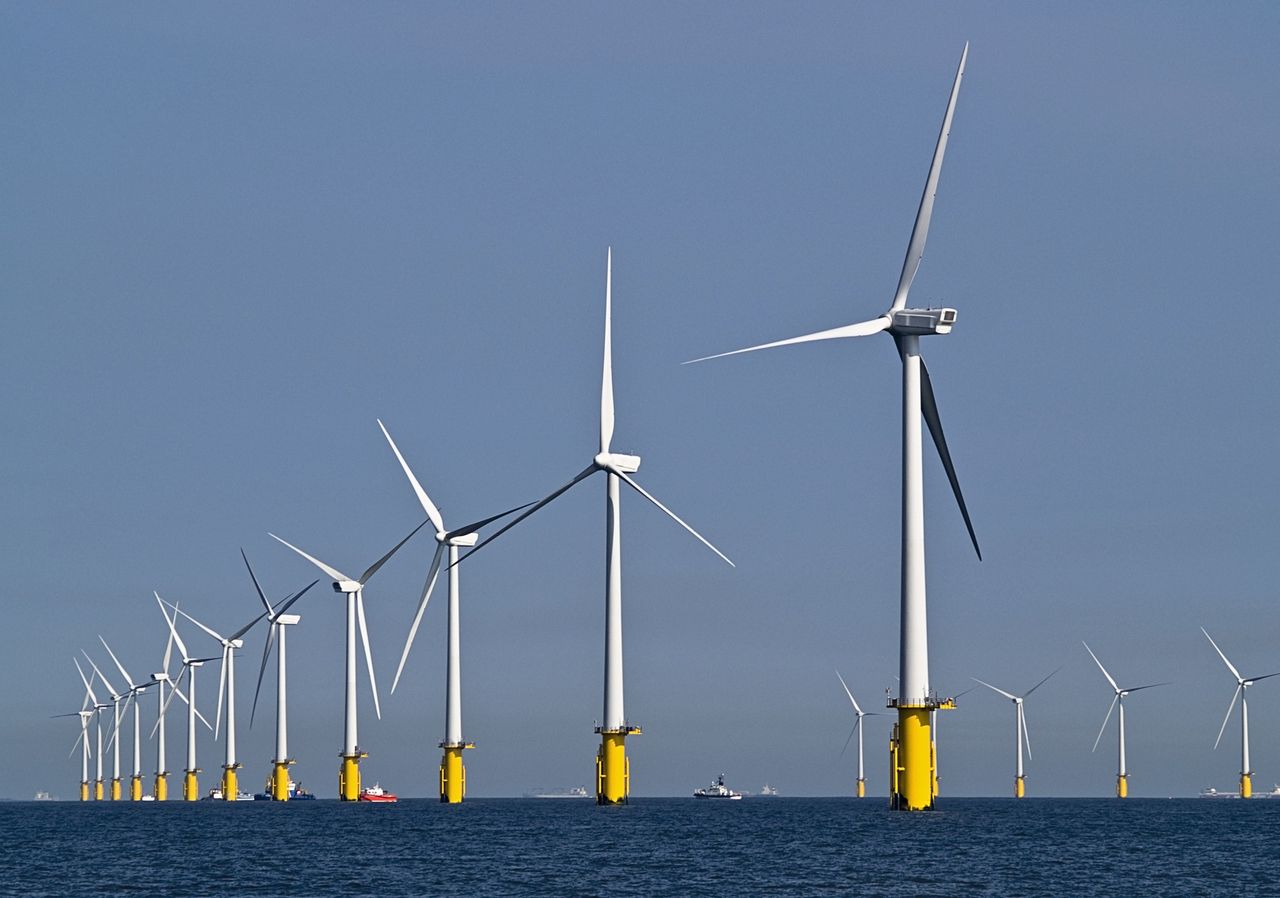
(651, 847)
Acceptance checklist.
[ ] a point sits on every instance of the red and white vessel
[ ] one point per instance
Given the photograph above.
(376, 793)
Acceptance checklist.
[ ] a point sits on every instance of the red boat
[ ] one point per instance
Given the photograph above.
(376, 793)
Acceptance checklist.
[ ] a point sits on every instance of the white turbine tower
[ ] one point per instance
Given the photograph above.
(98, 708)
(135, 689)
(1023, 737)
(912, 771)
(612, 778)
(160, 788)
(278, 619)
(857, 726)
(349, 774)
(230, 786)
(453, 776)
(1122, 771)
(116, 699)
(190, 782)
(1242, 683)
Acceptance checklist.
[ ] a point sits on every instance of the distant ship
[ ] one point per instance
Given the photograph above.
(376, 793)
(1214, 793)
(767, 791)
(296, 793)
(575, 792)
(43, 796)
(215, 794)
(717, 790)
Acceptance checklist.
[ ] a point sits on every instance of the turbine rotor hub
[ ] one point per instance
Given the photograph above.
(922, 322)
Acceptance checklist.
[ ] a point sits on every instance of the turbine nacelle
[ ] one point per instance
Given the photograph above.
(616, 461)
(346, 586)
(462, 539)
(922, 322)
(286, 619)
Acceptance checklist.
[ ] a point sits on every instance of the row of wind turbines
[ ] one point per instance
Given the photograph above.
(914, 776)
(1022, 739)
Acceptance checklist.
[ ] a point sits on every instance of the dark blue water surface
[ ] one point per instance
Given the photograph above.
(676, 847)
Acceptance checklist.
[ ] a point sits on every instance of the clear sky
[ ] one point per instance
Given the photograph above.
(234, 236)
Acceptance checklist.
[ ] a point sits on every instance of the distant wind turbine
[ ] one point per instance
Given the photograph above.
(1122, 772)
(857, 727)
(1242, 683)
(1023, 737)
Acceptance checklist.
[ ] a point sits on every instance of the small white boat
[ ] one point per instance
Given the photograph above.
(575, 792)
(1214, 793)
(767, 791)
(718, 790)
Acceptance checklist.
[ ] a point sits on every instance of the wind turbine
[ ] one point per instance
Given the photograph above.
(98, 708)
(116, 699)
(453, 775)
(1023, 737)
(911, 746)
(278, 783)
(1122, 772)
(1242, 683)
(349, 773)
(88, 707)
(190, 783)
(160, 789)
(135, 689)
(612, 776)
(227, 685)
(857, 726)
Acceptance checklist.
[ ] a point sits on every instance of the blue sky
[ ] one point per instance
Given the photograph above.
(235, 237)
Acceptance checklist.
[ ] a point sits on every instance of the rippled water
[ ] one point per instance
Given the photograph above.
(675, 847)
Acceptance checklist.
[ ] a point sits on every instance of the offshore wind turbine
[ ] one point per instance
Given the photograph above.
(1242, 683)
(453, 775)
(612, 770)
(87, 710)
(160, 788)
(1122, 771)
(135, 689)
(857, 726)
(98, 708)
(353, 590)
(278, 620)
(1023, 737)
(912, 770)
(190, 781)
(226, 686)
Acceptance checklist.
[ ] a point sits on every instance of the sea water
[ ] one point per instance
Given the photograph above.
(658, 847)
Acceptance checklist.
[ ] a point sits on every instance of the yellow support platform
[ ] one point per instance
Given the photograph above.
(161, 787)
(230, 782)
(1122, 786)
(349, 776)
(190, 785)
(453, 773)
(84, 791)
(278, 782)
(116, 792)
(1246, 786)
(135, 788)
(613, 767)
(913, 762)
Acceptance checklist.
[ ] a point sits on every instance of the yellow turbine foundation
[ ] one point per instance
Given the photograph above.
(116, 791)
(190, 786)
(862, 788)
(84, 791)
(1246, 786)
(230, 783)
(135, 788)
(913, 762)
(453, 773)
(1019, 787)
(613, 768)
(162, 787)
(349, 776)
(278, 784)
(97, 790)
(1122, 786)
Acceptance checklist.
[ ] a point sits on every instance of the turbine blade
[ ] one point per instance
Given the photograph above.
(585, 473)
(1026, 734)
(256, 584)
(920, 232)
(671, 514)
(606, 379)
(1009, 695)
(247, 627)
(422, 607)
(333, 572)
(856, 709)
(266, 653)
(173, 630)
(861, 329)
(368, 656)
(373, 568)
(1231, 667)
(76, 744)
(1148, 686)
(288, 603)
(1100, 667)
(124, 673)
(929, 408)
(433, 513)
(1041, 683)
(96, 670)
(212, 632)
(850, 738)
(1252, 680)
(472, 528)
(1231, 707)
(222, 688)
(87, 683)
(1105, 720)
(168, 651)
